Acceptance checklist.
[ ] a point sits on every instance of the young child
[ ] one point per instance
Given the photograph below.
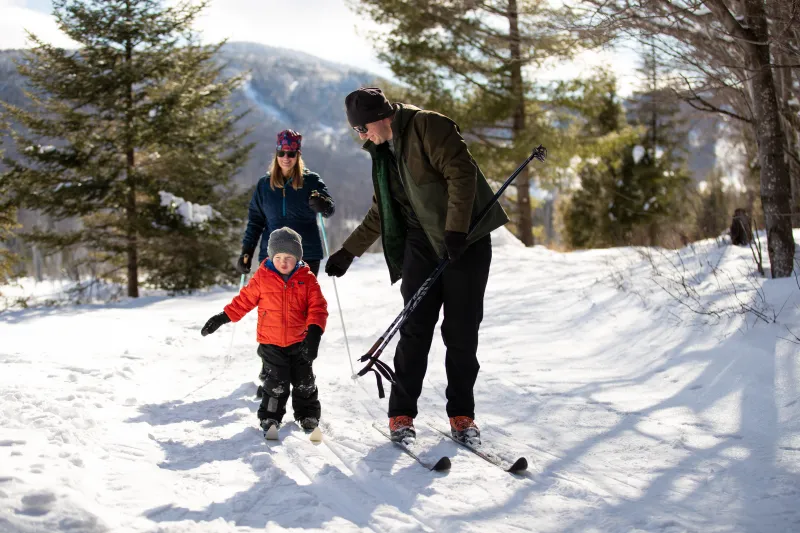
(291, 319)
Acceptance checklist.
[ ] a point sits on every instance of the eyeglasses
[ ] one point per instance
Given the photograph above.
(290, 154)
(360, 129)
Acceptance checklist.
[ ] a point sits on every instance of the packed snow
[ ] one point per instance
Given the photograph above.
(650, 390)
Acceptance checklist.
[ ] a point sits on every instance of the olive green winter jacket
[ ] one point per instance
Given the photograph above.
(444, 185)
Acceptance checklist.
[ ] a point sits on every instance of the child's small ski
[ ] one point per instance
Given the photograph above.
(314, 435)
(441, 465)
(517, 466)
(271, 433)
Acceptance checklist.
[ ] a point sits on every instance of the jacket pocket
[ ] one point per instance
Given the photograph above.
(261, 314)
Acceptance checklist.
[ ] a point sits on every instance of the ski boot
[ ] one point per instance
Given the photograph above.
(464, 430)
(401, 429)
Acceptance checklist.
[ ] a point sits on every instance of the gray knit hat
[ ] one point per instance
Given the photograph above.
(285, 241)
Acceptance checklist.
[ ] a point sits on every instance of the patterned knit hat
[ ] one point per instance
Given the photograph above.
(289, 140)
(285, 241)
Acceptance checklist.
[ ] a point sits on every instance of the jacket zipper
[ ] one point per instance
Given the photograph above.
(286, 183)
(285, 313)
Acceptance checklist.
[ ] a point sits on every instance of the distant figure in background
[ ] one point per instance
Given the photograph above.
(741, 232)
(289, 195)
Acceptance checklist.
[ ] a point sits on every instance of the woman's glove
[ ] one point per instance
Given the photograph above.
(319, 203)
(245, 262)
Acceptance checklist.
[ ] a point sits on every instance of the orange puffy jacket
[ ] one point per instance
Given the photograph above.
(285, 308)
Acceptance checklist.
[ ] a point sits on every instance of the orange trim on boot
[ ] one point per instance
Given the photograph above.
(461, 423)
(400, 422)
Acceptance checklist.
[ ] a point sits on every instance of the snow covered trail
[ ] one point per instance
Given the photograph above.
(635, 414)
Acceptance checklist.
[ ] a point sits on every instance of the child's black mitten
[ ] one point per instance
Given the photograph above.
(214, 323)
(310, 346)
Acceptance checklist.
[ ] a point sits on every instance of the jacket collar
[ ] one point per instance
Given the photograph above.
(269, 265)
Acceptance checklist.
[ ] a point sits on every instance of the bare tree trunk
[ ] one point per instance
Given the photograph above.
(130, 208)
(525, 222)
(133, 264)
(653, 97)
(783, 79)
(776, 190)
(794, 173)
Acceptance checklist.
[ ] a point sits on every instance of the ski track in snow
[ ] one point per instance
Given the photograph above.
(632, 414)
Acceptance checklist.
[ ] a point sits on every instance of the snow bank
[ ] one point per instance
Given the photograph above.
(636, 413)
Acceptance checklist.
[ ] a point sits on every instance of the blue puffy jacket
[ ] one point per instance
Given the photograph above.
(286, 207)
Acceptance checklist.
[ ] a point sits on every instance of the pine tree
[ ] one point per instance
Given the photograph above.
(139, 109)
(470, 60)
(663, 178)
(589, 216)
(8, 223)
(627, 191)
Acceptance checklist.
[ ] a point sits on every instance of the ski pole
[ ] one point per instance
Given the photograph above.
(233, 329)
(539, 153)
(336, 291)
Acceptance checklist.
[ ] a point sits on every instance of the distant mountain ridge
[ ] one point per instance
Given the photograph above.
(283, 89)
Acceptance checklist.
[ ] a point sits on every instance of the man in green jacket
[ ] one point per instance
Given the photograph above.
(427, 190)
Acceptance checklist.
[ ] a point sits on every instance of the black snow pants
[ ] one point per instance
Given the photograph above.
(460, 290)
(283, 367)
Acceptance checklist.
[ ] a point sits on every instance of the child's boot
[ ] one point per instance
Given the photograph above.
(308, 423)
(270, 427)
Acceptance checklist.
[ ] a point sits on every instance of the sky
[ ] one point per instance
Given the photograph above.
(329, 29)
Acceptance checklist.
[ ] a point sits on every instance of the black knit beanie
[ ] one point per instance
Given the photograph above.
(365, 105)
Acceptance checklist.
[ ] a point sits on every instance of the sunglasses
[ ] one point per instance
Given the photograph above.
(360, 129)
(291, 153)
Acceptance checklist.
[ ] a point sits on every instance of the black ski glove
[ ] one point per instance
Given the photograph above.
(338, 263)
(310, 346)
(214, 323)
(319, 203)
(245, 262)
(456, 243)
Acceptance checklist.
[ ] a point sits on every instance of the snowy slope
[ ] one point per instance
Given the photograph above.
(635, 413)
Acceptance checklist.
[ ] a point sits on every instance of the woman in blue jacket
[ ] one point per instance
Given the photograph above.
(289, 195)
